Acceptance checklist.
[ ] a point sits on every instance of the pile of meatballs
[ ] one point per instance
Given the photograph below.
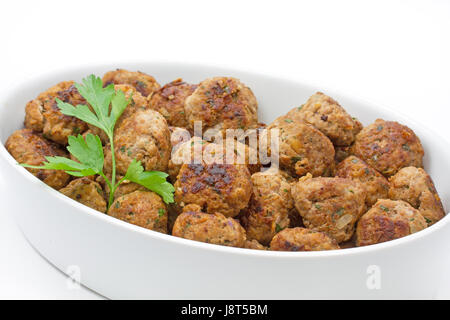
(338, 184)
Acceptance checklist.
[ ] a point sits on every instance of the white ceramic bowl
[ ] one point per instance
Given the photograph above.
(120, 260)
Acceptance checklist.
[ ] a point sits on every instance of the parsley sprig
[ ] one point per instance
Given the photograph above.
(107, 105)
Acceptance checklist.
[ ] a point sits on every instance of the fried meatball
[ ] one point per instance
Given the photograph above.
(204, 152)
(210, 228)
(143, 83)
(187, 152)
(43, 115)
(142, 208)
(330, 205)
(138, 102)
(302, 148)
(143, 136)
(301, 239)
(222, 103)
(169, 101)
(388, 220)
(415, 186)
(253, 244)
(329, 117)
(388, 146)
(178, 136)
(372, 181)
(268, 210)
(87, 192)
(29, 147)
(216, 188)
(232, 151)
(239, 153)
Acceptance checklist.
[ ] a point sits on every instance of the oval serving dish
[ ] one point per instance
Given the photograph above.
(120, 260)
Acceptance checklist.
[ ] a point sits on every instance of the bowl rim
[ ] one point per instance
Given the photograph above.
(153, 235)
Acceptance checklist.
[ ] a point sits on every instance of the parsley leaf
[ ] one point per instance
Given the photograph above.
(118, 104)
(152, 180)
(89, 153)
(81, 112)
(98, 97)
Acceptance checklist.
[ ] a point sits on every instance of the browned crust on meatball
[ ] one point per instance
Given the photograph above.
(43, 115)
(31, 148)
(34, 119)
(330, 205)
(222, 103)
(143, 136)
(200, 151)
(221, 188)
(169, 101)
(144, 83)
(327, 115)
(388, 146)
(375, 184)
(301, 239)
(191, 151)
(210, 228)
(87, 192)
(416, 187)
(388, 220)
(302, 148)
(142, 208)
(269, 207)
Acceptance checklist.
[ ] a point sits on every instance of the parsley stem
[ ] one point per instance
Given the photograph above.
(119, 182)
(113, 175)
(106, 180)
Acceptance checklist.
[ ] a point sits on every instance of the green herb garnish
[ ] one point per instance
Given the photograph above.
(294, 160)
(278, 228)
(106, 107)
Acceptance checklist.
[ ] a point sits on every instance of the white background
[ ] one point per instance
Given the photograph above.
(395, 53)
